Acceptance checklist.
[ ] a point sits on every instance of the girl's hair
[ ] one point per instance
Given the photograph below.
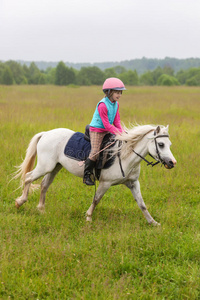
(109, 93)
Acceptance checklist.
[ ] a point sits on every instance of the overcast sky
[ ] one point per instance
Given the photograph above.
(98, 30)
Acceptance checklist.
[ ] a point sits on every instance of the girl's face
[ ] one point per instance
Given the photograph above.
(116, 96)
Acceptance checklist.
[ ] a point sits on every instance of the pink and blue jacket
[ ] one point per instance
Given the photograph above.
(106, 117)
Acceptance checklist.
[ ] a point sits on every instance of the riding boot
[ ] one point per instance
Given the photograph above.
(88, 171)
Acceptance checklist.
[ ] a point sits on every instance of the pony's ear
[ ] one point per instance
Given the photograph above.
(157, 130)
(166, 129)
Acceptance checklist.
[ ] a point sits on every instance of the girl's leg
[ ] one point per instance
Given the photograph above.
(96, 139)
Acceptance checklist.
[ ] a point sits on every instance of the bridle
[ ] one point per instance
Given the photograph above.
(157, 151)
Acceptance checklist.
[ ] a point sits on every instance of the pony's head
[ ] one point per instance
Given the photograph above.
(155, 138)
(159, 146)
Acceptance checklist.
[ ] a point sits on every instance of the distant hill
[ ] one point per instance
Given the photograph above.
(140, 65)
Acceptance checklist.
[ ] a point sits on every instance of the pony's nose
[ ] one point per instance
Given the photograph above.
(172, 163)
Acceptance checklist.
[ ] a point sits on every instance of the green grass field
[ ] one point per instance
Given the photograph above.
(57, 255)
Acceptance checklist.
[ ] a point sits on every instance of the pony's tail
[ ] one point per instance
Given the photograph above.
(29, 161)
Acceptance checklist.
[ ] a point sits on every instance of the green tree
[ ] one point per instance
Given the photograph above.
(25, 71)
(181, 76)
(50, 75)
(147, 79)
(167, 80)
(168, 70)
(193, 81)
(156, 74)
(7, 76)
(193, 77)
(17, 71)
(189, 77)
(90, 75)
(129, 77)
(2, 67)
(42, 79)
(24, 81)
(64, 75)
(119, 69)
(110, 72)
(33, 74)
(151, 77)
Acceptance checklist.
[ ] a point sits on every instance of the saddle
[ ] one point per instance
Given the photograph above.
(78, 147)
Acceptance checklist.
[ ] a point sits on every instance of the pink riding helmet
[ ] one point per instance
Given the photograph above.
(113, 84)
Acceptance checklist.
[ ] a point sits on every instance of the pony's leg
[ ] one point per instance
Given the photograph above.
(134, 186)
(47, 180)
(30, 177)
(23, 198)
(102, 188)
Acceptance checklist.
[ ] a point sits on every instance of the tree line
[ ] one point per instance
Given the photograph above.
(12, 72)
(141, 65)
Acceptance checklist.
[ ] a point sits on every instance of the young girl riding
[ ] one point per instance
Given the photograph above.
(106, 119)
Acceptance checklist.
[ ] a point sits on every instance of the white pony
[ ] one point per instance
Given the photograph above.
(136, 143)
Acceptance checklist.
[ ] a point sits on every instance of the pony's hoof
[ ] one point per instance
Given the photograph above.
(17, 205)
(155, 223)
(89, 219)
(41, 209)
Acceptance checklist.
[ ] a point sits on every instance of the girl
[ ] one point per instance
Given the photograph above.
(106, 114)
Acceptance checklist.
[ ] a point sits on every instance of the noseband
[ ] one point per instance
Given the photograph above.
(157, 151)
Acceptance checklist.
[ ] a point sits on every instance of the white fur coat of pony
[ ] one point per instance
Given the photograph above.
(136, 143)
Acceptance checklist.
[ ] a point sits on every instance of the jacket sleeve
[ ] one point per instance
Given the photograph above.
(117, 122)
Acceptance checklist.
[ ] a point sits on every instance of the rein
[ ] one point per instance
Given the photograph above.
(157, 151)
(148, 162)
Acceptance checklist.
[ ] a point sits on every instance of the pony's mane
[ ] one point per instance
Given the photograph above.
(130, 137)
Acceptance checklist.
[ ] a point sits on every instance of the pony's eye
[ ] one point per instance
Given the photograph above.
(161, 145)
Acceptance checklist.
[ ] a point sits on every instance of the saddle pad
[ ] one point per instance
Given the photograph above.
(77, 147)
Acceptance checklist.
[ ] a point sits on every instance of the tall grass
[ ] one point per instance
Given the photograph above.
(57, 255)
